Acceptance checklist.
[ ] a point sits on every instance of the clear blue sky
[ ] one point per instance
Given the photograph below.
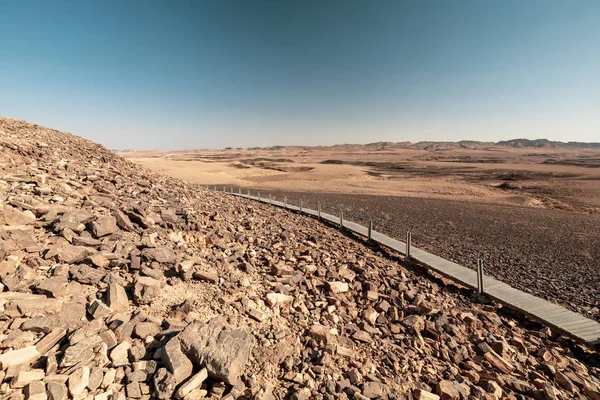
(209, 74)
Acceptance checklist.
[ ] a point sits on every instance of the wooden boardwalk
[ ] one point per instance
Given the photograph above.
(553, 315)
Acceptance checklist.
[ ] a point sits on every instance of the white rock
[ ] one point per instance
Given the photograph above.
(26, 355)
(278, 299)
(338, 287)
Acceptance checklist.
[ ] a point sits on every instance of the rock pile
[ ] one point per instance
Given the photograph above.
(119, 283)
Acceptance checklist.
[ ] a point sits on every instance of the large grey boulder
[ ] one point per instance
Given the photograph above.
(222, 350)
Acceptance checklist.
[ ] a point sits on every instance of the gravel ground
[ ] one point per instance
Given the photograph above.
(552, 254)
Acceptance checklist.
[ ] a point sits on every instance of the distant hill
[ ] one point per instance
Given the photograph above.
(439, 146)
(473, 143)
(541, 143)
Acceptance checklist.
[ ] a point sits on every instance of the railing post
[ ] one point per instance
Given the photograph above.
(408, 240)
(479, 276)
(248, 193)
(341, 219)
(232, 190)
(258, 196)
(300, 205)
(319, 210)
(284, 201)
(215, 188)
(240, 191)
(370, 231)
(270, 199)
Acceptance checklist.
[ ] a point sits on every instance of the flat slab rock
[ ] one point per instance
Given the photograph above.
(74, 220)
(214, 345)
(160, 254)
(14, 217)
(69, 254)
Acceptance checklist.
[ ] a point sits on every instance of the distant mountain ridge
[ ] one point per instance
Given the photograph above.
(548, 143)
(433, 145)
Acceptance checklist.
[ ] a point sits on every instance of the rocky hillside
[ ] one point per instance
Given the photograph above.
(119, 283)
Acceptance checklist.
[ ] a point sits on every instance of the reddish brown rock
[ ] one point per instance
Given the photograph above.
(104, 226)
(161, 254)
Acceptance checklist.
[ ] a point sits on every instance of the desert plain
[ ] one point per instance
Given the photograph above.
(529, 209)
